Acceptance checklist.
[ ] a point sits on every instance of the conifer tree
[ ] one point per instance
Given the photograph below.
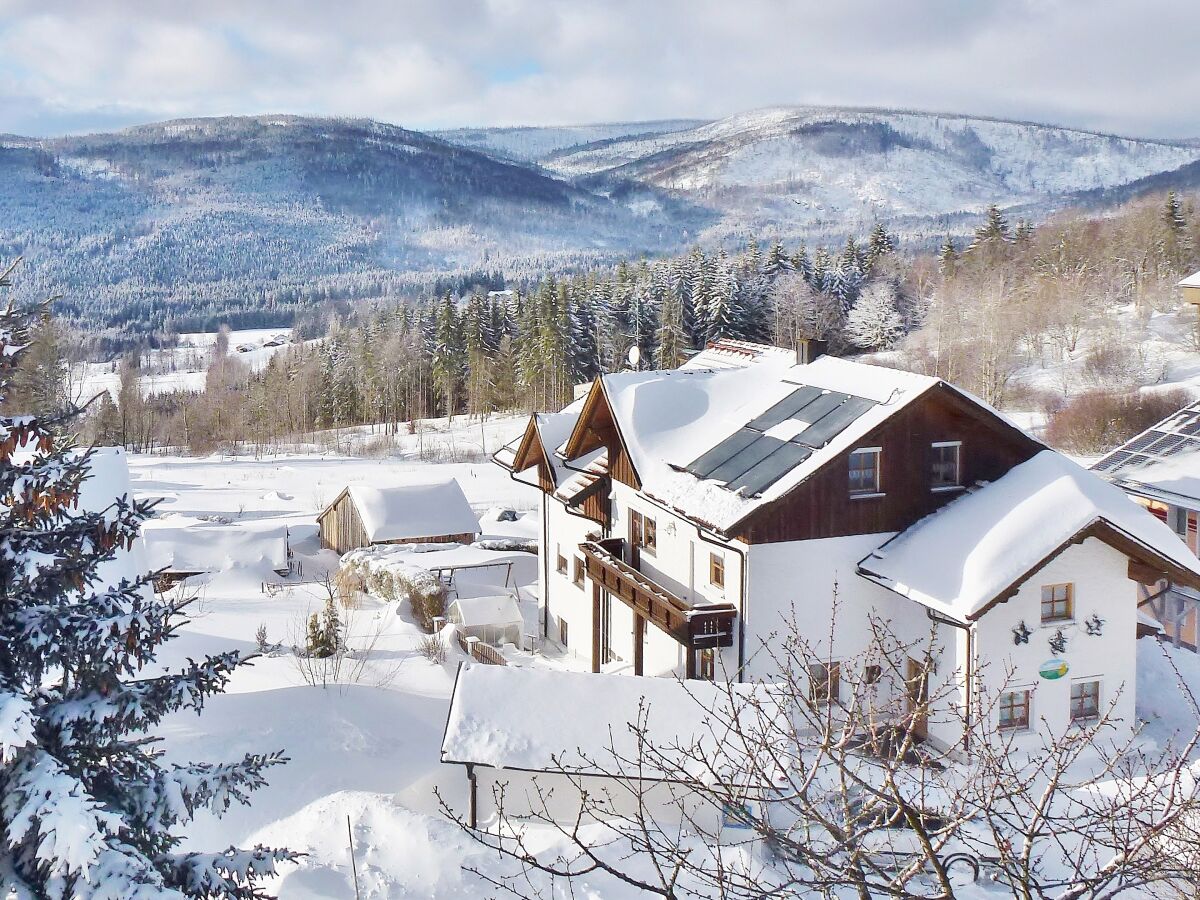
(89, 810)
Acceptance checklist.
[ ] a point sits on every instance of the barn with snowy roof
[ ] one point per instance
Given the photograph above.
(412, 512)
(692, 516)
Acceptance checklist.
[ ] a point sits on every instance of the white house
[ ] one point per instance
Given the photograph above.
(690, 515)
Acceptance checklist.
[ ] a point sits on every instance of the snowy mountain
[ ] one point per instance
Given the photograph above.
(531, 143)
(248, 219)
(254, 220)
(818, 169)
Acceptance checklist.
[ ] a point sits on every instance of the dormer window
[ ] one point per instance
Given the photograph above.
(864, 472)
(946, 470)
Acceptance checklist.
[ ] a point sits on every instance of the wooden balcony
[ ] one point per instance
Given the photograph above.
(697, 627)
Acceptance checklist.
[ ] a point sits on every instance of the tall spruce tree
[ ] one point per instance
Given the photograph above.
(88, 808)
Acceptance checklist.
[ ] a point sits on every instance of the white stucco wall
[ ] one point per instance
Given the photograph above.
(565, 599)
(1100, 576)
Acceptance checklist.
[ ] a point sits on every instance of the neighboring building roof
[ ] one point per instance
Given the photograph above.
(413, 510)
(1192, 280)
(107, 481)
(501, 609)
(976, 549)
(210, 546)
(727, 353)
(1162, 462)
(529, 719)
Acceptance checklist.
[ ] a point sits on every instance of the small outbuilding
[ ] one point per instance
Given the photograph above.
(494, 620)
(418, 512)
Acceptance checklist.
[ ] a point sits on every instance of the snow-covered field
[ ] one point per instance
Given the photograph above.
(182, 367)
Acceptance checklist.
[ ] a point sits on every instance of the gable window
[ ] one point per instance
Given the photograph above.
(560, 564)
(1014, 709)
(1085, 701)
(578, 573)
(946, 469)
(825, 682)
(1058, 602)
(716, 570)
(864, 471)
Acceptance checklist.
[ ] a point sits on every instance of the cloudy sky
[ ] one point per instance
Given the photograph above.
(1116, 65)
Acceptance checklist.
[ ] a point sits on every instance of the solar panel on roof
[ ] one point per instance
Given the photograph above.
(735, 443)
(1184, 444)
(834, 423)
(1112, 461)
(786, 408)
(822, 406)
(1192, 427)
(768, 471)
(1165, 444)
(1142, 441)
(746, 459)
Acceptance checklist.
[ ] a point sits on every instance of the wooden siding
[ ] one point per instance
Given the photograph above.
(595, 429)
(821, 506)
(342, 529)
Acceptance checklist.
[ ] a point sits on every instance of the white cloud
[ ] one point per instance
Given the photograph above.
(1123, 65)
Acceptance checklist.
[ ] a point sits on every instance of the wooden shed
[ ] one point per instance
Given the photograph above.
(424, 512)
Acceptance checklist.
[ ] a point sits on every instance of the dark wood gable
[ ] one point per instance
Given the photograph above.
(821, 505)
(597, 428)
(532, 452)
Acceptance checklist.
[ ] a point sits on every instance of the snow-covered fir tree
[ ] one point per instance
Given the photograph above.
(874, 323)
(89, 809)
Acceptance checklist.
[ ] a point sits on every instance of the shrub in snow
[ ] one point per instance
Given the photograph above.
(433, 648)
(386, 572)
(89, 811)
(325, 635)
(260, 638)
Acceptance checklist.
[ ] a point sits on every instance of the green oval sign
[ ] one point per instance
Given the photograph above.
(1053, 669)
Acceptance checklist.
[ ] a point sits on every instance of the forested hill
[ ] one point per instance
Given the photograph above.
(183, 225)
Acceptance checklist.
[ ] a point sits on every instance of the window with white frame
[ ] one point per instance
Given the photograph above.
(864, 471)
(946, 465)
(1085, 701)
(1014, 709)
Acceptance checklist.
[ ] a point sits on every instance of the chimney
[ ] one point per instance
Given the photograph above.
(808, 349)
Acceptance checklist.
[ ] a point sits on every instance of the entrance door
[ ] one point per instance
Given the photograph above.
(916, 678)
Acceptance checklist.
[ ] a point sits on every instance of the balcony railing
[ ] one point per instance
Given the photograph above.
(697, 626)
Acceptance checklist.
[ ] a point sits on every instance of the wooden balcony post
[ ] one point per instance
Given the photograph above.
(691, 663)
(595, 626)
(639, 642)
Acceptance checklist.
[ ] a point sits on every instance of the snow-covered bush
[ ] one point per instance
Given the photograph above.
(387, 572)
(1100, 420)
(433, 648)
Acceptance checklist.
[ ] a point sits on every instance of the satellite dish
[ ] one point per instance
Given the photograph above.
(634, 356)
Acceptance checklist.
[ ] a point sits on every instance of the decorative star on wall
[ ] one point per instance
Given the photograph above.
(1058, 642)
(1094, 625)
(1021, 633)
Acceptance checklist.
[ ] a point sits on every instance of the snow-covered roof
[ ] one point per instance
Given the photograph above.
(727, 353)
(1175, 479)
(667, 419)
(414, 509)
(960, 558)
(107, 481)
(1162, 462)
(498, 609)
(181, 544)
(1192, 280)
(491, 724)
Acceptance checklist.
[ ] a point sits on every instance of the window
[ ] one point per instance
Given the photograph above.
(825, 682)
(562, 632)
(1085, 701)
(1178, 517)
(1058, 602)
(579, 570)
(946, 471)
(864, 471)
(872, 674)
(561, 563)
(706, 665)
(716, 570)
(1014, 709)
(643, 533)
